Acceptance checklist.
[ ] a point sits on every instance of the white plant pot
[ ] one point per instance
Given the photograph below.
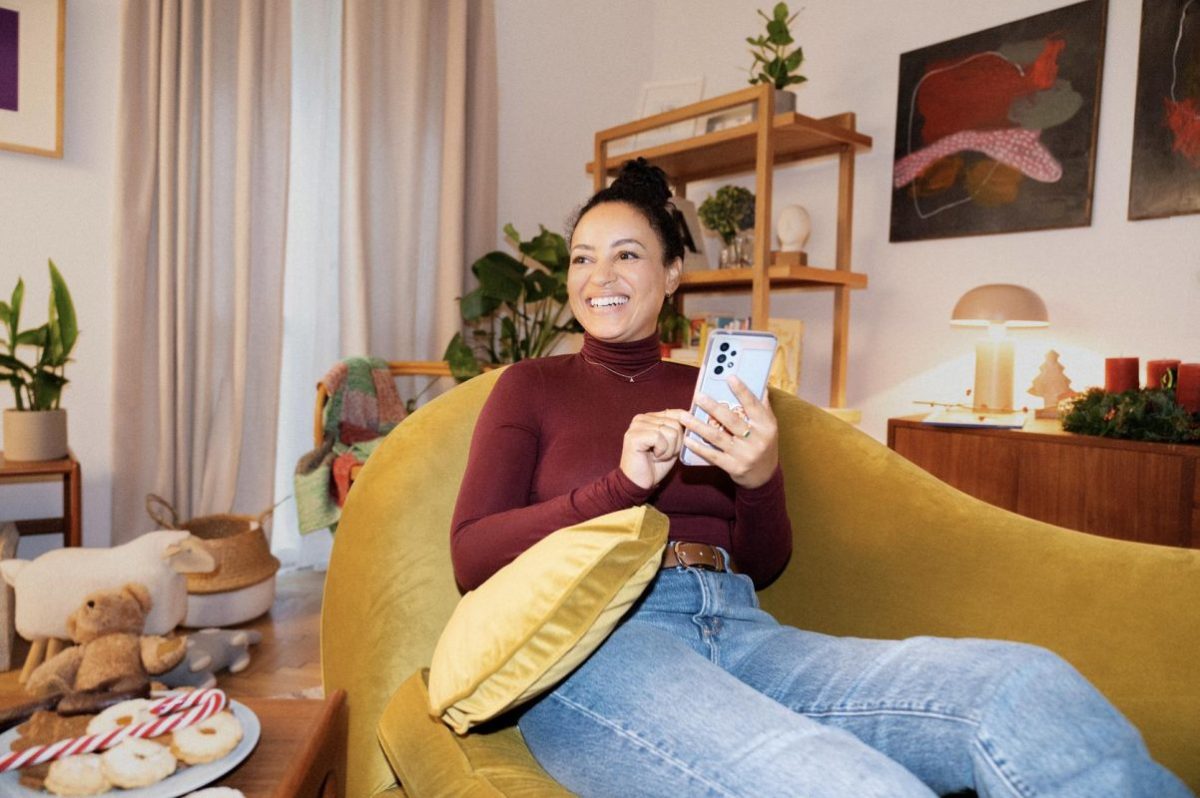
(785, 102)
(35, 434)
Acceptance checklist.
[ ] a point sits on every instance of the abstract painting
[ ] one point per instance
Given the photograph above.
(1165, 170)
(996, 130)
(32, 34)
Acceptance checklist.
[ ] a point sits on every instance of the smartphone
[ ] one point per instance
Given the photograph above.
(745, 353)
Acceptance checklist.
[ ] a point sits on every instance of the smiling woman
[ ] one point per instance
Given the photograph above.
(626, 256)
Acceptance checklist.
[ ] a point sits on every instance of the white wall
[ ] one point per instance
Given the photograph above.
(62, 209)
(1116, 287)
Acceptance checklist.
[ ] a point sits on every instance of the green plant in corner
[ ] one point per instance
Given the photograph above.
(38, 383)
(728, 211)
(517, 312)
(772, 61)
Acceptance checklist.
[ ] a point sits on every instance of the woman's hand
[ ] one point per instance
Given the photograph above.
(745, 445)
(652, 445)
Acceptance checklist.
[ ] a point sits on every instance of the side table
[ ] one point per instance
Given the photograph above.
(301, 753)
(66, 470)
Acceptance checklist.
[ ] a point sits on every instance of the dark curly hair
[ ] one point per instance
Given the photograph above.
(644, 187)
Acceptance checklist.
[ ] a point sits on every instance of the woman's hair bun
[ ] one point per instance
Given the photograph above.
(640, 177)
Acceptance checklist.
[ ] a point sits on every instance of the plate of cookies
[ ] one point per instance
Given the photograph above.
(176, 763)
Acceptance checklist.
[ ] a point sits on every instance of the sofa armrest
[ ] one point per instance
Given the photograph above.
(883, 549)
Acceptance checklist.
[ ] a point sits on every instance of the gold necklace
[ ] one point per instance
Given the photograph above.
(629, 377)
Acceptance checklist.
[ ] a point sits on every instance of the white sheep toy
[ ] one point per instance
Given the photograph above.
(51, 587)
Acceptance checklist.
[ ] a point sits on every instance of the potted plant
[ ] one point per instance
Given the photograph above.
(517, 310)
(730, 214)
(36, 428)
(773, 62)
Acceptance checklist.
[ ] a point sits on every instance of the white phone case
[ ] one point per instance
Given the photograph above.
(746, 353)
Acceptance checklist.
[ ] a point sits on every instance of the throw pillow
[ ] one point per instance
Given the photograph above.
(540, 616)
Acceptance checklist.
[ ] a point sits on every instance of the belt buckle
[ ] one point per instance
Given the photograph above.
(717, 566)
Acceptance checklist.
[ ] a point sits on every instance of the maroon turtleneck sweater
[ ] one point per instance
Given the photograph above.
(546, 451)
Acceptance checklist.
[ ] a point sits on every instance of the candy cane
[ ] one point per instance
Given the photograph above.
(197, 705)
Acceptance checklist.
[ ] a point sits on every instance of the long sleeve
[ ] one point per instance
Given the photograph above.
(494, 520)
(762, 531)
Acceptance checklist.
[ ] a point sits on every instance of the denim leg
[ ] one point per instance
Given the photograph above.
(1005, 719)
(647, 715)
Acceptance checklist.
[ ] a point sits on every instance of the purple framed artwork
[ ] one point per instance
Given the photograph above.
(32, 34)
(1164, 177)
(996, 130)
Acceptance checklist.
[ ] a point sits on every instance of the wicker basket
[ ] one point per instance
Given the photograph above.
(236, 542)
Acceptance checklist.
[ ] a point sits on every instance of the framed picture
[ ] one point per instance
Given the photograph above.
(1164, 175)
(32, 34)
(732, 118)
(996, 130)
(693, 236)
(658, 98)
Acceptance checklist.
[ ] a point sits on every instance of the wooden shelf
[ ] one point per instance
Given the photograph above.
(758, 146)
(721, 280)
(732, 151)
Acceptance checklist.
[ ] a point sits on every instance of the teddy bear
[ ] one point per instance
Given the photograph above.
(110, 652)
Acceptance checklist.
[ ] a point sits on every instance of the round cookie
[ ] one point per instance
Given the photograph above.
(137, 763)
(77, 775)
(126, 713)
(208, 740)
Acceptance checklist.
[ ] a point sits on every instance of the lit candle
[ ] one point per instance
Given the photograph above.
(1156, 370)
(993, 375)
(1120, 374)
(1187, 387)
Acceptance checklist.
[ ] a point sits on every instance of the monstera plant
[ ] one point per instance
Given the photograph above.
(520, 308)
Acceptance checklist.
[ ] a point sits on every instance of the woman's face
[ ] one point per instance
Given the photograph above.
(617, 279)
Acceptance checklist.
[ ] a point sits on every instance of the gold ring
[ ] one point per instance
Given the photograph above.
(746, 434)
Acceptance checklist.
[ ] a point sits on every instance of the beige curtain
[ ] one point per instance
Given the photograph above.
(418, 170)
(198, 254)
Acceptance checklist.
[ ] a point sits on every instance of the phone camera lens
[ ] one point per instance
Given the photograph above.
(719, 370)
(720, 358)
(733, 354)
(725, 347)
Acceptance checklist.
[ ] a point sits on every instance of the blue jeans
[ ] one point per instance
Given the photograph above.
(700, 693)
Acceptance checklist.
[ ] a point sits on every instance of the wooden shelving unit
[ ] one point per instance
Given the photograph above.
(758, 147)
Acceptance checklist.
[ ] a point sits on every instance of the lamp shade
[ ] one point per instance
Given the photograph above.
(1000, 303)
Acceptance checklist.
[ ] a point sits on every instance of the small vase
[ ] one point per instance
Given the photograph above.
(730, 257)
(35, 434)
(744, 243)
(785, 102)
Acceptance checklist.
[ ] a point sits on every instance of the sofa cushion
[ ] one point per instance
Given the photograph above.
(429, 760)
(540, 616)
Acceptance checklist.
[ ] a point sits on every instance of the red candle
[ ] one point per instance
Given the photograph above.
(1120, 374)
(1156, 370)
(1187, 387)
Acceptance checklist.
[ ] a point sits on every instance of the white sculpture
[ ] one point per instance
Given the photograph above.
(793, 227)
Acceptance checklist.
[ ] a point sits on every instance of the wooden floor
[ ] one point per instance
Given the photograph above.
(287, 661)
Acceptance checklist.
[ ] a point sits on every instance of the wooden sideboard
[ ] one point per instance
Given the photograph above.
(1149, 492)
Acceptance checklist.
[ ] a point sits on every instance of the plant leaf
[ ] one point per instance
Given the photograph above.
(781, 11)
(547, 248)
(18, 295)
(35, 337)
(500, 276)
(477, 304)
(463, 364)
(12, 364)
(64, 309)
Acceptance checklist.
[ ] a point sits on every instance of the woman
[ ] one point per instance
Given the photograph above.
(699, 692)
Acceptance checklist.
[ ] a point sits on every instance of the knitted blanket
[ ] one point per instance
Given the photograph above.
(363, 407)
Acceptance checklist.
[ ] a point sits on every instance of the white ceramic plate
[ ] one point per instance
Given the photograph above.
(182, 782)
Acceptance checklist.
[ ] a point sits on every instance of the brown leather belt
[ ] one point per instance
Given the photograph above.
(681, 554)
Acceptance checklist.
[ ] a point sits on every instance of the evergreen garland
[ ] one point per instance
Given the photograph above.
(1140, 415)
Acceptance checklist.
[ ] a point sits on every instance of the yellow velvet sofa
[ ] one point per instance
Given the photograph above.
(882, 549)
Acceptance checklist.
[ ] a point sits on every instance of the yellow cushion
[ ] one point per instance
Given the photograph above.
(541, 615)
(432, 761)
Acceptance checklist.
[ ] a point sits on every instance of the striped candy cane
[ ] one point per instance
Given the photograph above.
(176, 711)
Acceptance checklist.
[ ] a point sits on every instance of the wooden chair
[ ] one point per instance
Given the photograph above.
(398, 368)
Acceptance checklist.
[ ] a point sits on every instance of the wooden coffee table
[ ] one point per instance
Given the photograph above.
(302, 750)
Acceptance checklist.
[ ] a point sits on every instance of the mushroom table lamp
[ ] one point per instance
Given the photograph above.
(997, 307)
